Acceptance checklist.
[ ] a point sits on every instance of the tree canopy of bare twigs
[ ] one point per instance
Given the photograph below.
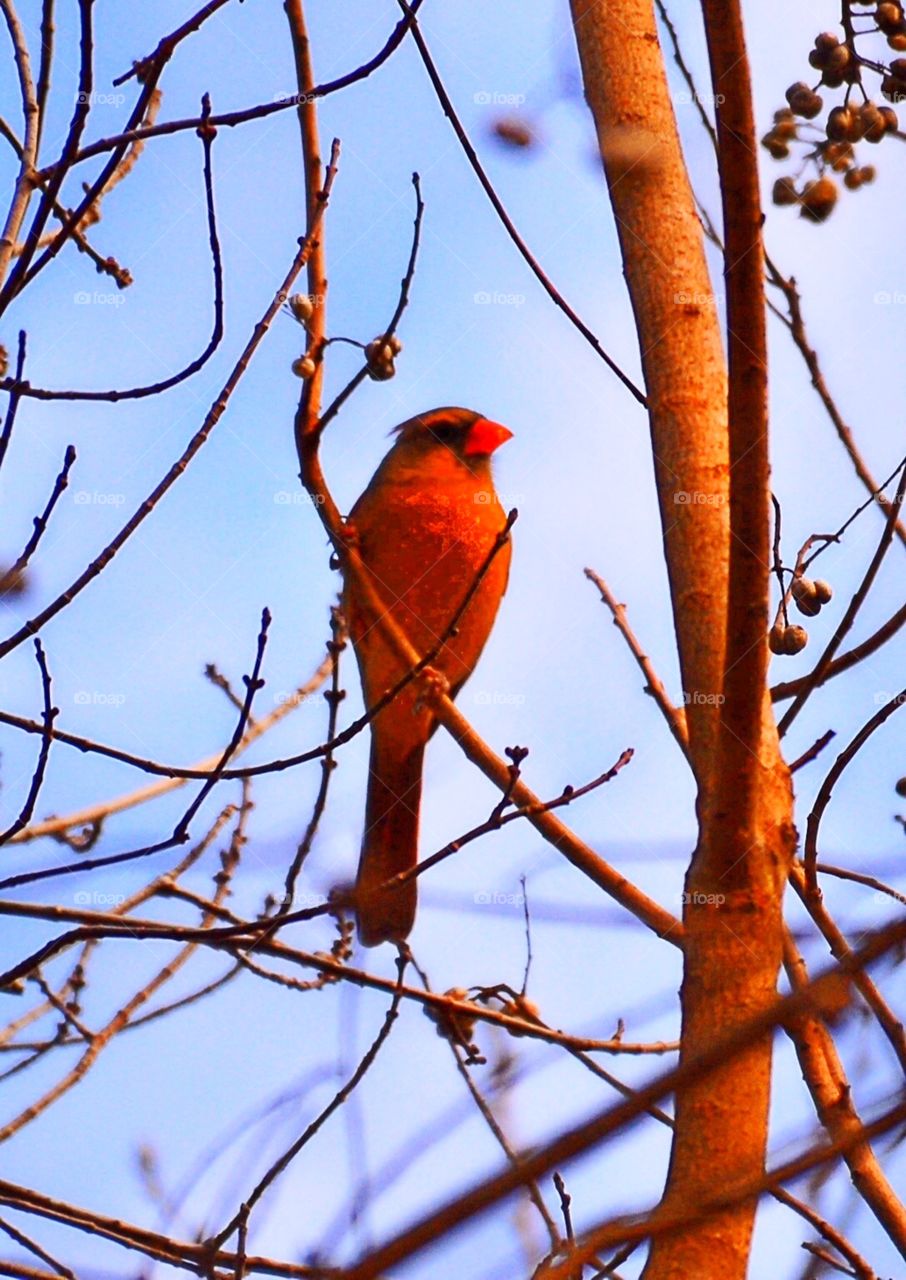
(648, 1022)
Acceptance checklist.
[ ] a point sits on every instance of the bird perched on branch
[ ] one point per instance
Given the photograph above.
(428, 529)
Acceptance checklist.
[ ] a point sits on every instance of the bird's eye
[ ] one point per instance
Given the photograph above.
(447, 435)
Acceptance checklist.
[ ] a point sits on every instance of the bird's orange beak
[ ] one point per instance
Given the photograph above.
(485, 436)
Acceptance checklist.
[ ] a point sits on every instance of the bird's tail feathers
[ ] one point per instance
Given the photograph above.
(389, 847)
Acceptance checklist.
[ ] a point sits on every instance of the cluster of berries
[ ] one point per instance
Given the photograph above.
(810, 597)
(848, 123)
(302, 308)
(380, 356)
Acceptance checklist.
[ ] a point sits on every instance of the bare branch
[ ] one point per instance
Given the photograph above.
(471, 155)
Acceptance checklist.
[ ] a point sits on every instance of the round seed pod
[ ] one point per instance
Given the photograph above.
(838, 58)
(784, 130)
(832, 79)
(795, 639)
(888, 17)
(818, 199)
(873, 123)
(776, 637)
(839, 124)
(894, 90)
(823, 590)
(889, 116)
(301, 305)
(802, 588)
(809, 607)
(839, 155)
(784, 191)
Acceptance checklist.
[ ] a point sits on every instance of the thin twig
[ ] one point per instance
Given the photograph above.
(14, 398)
(797, 329)
(207, 133)
(337, 1101)
(497, 819)
(308, 433)
(822, 799)
(19, 275)
(34, 1248)
(37, 781)
(96, 813)
(814, 678)
(853, 656)
(334, 696)
(24, 185)
(675, 716)
(814, 750)
(104, 265)
(482, 1196)
(40, 522)
(859, 877)
(840, 949)
(471, 155)
(45, 63)
(261, 111)
(104, 1037)
(198, 440)
(180, 833)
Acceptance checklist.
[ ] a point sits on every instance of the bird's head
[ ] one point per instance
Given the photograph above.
(465, 434)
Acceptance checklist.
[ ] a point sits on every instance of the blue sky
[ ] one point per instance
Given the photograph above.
(127, 657)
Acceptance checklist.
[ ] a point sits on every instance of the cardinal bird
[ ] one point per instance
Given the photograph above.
(424, 527)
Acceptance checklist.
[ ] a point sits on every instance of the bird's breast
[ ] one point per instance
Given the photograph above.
(424, 551)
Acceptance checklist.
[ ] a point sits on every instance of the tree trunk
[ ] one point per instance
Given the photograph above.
(734, 889)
